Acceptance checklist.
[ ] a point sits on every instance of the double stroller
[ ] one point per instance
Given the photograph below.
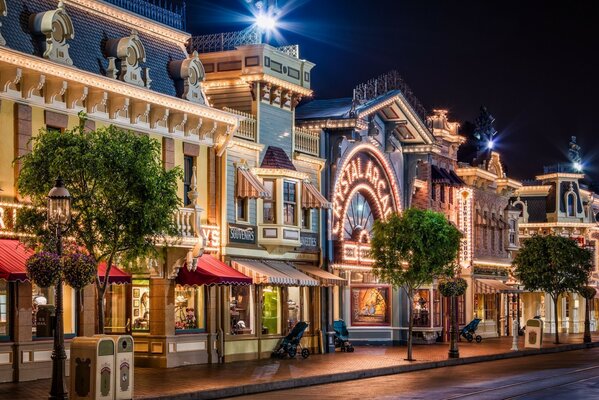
(342, 336)
(289, 344)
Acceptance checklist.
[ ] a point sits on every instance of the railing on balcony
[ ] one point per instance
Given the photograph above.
(307, 142)
(164, 11)
(187, 219)
(225, 41)
(248, 127)
(291, 50)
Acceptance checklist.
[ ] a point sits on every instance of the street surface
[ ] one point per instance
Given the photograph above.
(568, 375)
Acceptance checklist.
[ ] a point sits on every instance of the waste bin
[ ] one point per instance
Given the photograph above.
(92, 368)
(533, 337)
(44, 321)
(124, 367)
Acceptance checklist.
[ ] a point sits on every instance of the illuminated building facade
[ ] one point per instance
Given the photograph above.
(559, 202)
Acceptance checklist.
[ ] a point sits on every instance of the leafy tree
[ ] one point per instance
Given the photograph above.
(123, 200)
(412, 249)
(553, 264)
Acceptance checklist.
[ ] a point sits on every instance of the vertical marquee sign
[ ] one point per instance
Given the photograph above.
(465, 198)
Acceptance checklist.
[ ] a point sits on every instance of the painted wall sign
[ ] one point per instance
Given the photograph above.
(244, 234)
(309, 241)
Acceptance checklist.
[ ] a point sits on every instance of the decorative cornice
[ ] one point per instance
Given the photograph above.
(72, 74)
(310, 159)
(557, 225)
(277, 82)
(280, 172)
(247, 144)
(564, 175)
(142, 24)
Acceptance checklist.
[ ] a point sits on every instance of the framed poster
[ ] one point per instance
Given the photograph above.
(371, 305)
(136, 293)
(136, 303)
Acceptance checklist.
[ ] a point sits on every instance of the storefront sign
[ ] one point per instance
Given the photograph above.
(212, 235)
(244, 234)
(465, 196)
(309, 241)
(370, 305)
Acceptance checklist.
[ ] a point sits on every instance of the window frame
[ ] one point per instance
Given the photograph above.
(290, 203)
(246, 209)
(307, 218)
(272, 200)
(8, 313)
(188, 164)
(200, 315)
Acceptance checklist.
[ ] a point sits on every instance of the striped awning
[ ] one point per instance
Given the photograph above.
(263, 274)
(248, 185)
(311, 197)
(494, 286)
(287, 269)
(324, 277)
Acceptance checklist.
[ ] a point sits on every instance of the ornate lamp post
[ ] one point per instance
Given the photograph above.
(59, 216)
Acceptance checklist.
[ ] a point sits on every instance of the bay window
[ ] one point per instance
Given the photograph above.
(289, 202)
(269, 205)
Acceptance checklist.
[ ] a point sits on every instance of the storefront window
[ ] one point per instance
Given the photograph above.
(294, 306)
(141, 304)
(240, 310)
(4, 326)
(189, 308)
(269, 204)
(370, 305)
(271, 310)
(43, 308)
(421, 308)
(485, 306)
(115, 309)
(306, 301)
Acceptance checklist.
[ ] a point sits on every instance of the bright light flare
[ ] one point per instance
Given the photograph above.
(490, 145)
(578, 166)
(266, 22)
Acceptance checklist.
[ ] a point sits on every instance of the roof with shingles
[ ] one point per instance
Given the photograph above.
(275, 157)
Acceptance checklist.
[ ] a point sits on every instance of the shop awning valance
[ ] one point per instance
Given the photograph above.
(117, 275)
(494, 286)
(263, 274)
(249, 186)
(287, 269)
(437, 176)
(13, 258)
(210, 271)
(324, 277)
(312, 198)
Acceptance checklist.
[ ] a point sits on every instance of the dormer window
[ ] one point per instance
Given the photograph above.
(124, 58)
(188, 75)
(56, 27)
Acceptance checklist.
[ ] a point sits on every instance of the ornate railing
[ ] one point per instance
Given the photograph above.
(225, 41)
(307, 141)
(291, 50)
(163, 11)
(248, 127)
(186, 220)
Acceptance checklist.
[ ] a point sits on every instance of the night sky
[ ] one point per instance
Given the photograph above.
(534, 65)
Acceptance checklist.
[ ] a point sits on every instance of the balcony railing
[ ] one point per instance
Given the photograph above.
(187, 221)
(307, 142)
(247, 127)
(165, 12)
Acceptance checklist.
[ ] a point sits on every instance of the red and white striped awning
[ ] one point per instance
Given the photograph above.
(287, 269)
(249, 185)
(324, 277)
(494, 286)
(275, 273)
(312, 198)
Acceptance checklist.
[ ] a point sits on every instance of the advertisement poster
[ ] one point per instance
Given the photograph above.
(370, 305)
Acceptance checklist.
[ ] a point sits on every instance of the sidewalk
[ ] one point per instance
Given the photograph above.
(225, 380)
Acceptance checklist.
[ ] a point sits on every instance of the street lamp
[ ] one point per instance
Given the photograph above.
(59, 216)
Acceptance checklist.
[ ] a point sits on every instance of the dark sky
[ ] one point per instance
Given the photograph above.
(533, 64)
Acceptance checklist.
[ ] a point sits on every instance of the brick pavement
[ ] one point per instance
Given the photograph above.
(207, 381)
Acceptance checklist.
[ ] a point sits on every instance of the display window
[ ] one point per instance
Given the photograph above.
(485, 306)
(271, 310)
(116, 320)
(437, 307)
(370, 305)
(421, 307)
(190, 311)
(140, 305)
(43, 309)
(241, 303)
(4, 314)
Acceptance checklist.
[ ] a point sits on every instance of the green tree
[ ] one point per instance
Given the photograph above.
(411, 250)
(123, 200)
(553, 264)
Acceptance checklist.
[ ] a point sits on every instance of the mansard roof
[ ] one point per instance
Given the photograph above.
(92, 30)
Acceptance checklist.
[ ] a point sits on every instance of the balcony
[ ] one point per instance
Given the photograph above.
(189, 228)
(248, 127)
(168, 13)
(307, 142)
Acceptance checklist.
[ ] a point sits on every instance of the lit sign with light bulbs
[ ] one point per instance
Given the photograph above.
(465, 198)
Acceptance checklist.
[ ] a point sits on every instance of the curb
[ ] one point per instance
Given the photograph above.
(255, 388)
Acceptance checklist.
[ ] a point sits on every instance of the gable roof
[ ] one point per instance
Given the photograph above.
(276, 158)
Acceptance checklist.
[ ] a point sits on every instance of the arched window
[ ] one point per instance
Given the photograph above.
(571, 204)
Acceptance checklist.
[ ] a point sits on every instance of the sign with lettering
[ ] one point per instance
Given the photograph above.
(309, 241)
(244, 234)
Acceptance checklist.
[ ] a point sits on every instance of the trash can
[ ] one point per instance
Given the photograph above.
(124, 367)
(533, 337)
(44, 321)
(92, 368)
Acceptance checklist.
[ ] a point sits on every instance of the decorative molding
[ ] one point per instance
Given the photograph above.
(76, 96)
(120, 16)
(189, 75)
(130, 51)
(57, 27)
(55, 91)
(10, 78)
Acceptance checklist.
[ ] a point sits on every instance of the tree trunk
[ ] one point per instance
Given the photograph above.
(454, 352)
(411, 323)
(100, 292)
(555, 313)
(587, 321)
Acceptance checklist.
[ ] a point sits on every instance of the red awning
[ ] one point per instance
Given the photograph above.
(211, 271)
(13, 256)
(117, 276)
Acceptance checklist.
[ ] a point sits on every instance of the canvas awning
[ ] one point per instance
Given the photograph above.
(287, 269)
(249, 186)
(13, 258)
(261, 273)
(324, 277)
(494, 286)
(117, 275)
(312, 198)
(210, 271)
(437, 176)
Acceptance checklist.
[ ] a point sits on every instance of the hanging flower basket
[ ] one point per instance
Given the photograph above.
(79, 270)
(44, 269)
(588, 292)
(453, 287)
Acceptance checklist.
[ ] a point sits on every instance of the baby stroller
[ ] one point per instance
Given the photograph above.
(469, 331)
(342, 336)
(290, 343)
